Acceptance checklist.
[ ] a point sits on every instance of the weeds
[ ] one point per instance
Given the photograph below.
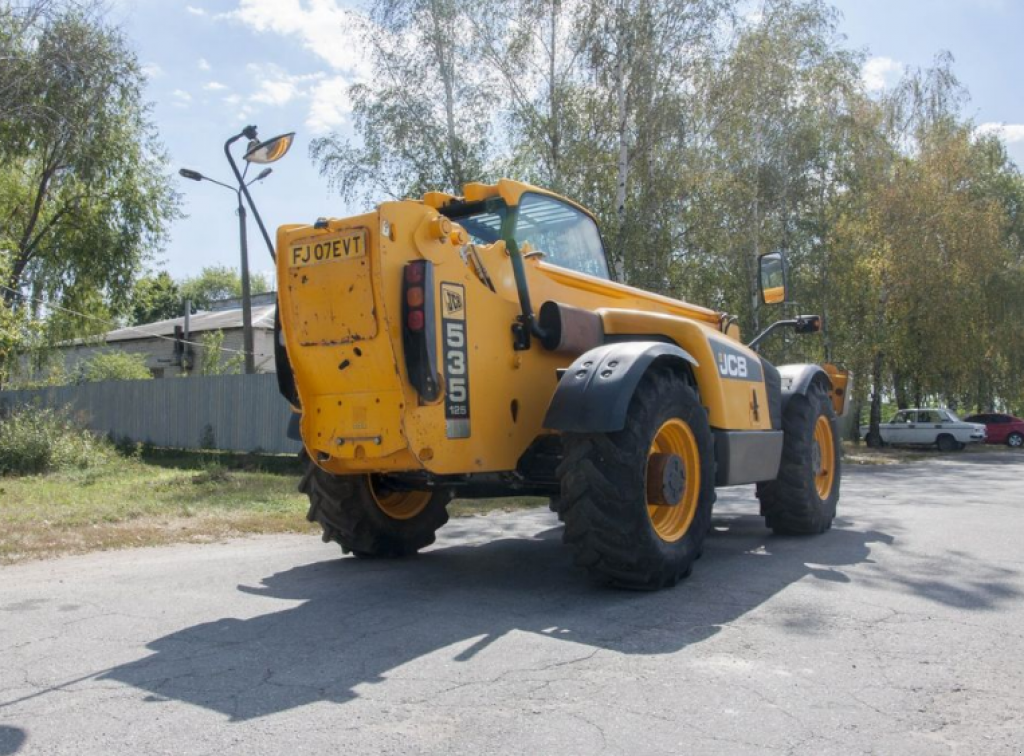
(35, 441)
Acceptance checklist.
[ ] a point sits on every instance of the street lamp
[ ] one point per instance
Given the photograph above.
(260, 153)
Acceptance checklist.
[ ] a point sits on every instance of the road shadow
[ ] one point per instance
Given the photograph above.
(11, 740)
(361, 620)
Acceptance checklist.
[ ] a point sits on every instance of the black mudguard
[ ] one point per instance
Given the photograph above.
(593, 394)
(797, 379)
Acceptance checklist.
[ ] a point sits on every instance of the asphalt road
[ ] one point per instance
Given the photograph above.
(901, 631)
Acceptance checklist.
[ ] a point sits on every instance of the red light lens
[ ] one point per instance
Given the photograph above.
(414, 273)
(415, 320)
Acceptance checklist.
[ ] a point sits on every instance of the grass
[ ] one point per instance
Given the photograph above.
(162, 497)
(861, 454)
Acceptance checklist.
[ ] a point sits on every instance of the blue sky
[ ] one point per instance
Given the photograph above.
(284, 65)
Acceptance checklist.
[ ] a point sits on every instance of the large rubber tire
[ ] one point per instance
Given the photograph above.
(946, 443)
(1015, 440)
(349, 513)
(793, 503)
(604, 505)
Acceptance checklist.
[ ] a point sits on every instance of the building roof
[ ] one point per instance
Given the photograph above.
(215, 320)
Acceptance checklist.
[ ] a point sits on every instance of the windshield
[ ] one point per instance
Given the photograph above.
(564, 236)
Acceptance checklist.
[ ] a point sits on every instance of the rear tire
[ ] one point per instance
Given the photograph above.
(615, 531)
(354, 512)
(802, 499)
(1015, 440)
(946, 443)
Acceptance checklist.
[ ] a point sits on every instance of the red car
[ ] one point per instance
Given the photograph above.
(1002, 429)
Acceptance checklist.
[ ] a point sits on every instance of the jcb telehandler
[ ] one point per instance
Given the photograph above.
(409, 341)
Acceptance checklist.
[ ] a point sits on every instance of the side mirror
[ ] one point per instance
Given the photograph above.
(772, 277)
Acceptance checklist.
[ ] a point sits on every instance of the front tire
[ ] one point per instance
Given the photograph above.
(946, 443)
(1015, 440)
(637, 503)
(802, 499)
(370, 520)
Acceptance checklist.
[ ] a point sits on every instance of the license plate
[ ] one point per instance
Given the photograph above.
(345, 246)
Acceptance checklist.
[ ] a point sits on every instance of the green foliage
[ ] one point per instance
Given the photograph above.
(35, 441)
(214, 359)
(115, 365)
(425, 118)
(218, 282)
(83, 190)
(156, 297)
(84, 169)
(701, 136)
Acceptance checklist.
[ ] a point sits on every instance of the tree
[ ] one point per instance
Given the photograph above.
(85, 195)
(156, 297)
(423, 122)
(214, 359)
(216, 283)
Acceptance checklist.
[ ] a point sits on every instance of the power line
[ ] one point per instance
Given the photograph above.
(107, 322)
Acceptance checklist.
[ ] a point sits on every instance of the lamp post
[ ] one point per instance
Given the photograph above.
(260, 153)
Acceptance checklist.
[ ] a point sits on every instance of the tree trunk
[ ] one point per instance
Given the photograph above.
(623, 159)
(902, 401)
(874, 436)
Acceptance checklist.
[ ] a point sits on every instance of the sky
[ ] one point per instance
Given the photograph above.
(214, 66)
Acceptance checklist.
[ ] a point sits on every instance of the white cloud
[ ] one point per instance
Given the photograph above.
(880, 73)
(1011, 133)
(278, 87)
(323, 27)
(195, 11)
(214, 86)
(202, 64)
(182, 98)
(330, 105)
(152, 71)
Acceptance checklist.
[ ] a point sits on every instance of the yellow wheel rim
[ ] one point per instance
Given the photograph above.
(672, 522)
(401, 505)
(824, 457)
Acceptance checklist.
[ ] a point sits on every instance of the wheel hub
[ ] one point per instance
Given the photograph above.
(666, 480)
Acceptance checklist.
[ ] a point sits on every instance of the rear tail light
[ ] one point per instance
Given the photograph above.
(419, 337)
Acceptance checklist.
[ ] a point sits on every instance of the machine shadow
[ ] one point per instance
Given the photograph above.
(360, 620)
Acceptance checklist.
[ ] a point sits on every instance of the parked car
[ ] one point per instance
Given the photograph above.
(1001, 429)
(937, 426)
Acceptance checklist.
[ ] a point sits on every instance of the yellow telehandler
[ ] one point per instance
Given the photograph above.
(419, 369)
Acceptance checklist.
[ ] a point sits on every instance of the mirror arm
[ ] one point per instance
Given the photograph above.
(245, 190)
(769, 330)
(527, 324)
(801, 323)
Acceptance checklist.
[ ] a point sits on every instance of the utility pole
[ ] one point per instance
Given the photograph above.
(247, 345)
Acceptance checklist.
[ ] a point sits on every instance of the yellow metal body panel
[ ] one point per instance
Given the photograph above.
(342, 323)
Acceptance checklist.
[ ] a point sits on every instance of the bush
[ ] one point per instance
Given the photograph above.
(116, 366)
(34, 441)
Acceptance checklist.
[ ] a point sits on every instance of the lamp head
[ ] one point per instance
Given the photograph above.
(190, 174)
(271, 150)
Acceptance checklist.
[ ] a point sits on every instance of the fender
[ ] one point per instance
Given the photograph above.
(798, 379)
(593, 394)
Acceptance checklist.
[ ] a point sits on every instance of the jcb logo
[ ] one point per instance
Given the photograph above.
(452, 301)
(732, 365)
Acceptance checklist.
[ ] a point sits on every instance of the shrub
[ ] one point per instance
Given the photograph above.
(36, 441)
(116, 366)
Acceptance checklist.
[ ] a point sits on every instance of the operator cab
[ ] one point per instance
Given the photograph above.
(541, 226)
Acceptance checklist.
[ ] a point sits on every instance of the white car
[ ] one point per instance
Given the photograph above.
(929, 426)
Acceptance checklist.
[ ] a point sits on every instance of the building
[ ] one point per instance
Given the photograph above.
(173, 347)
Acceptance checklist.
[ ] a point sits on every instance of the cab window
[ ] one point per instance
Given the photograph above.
(565, 236)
